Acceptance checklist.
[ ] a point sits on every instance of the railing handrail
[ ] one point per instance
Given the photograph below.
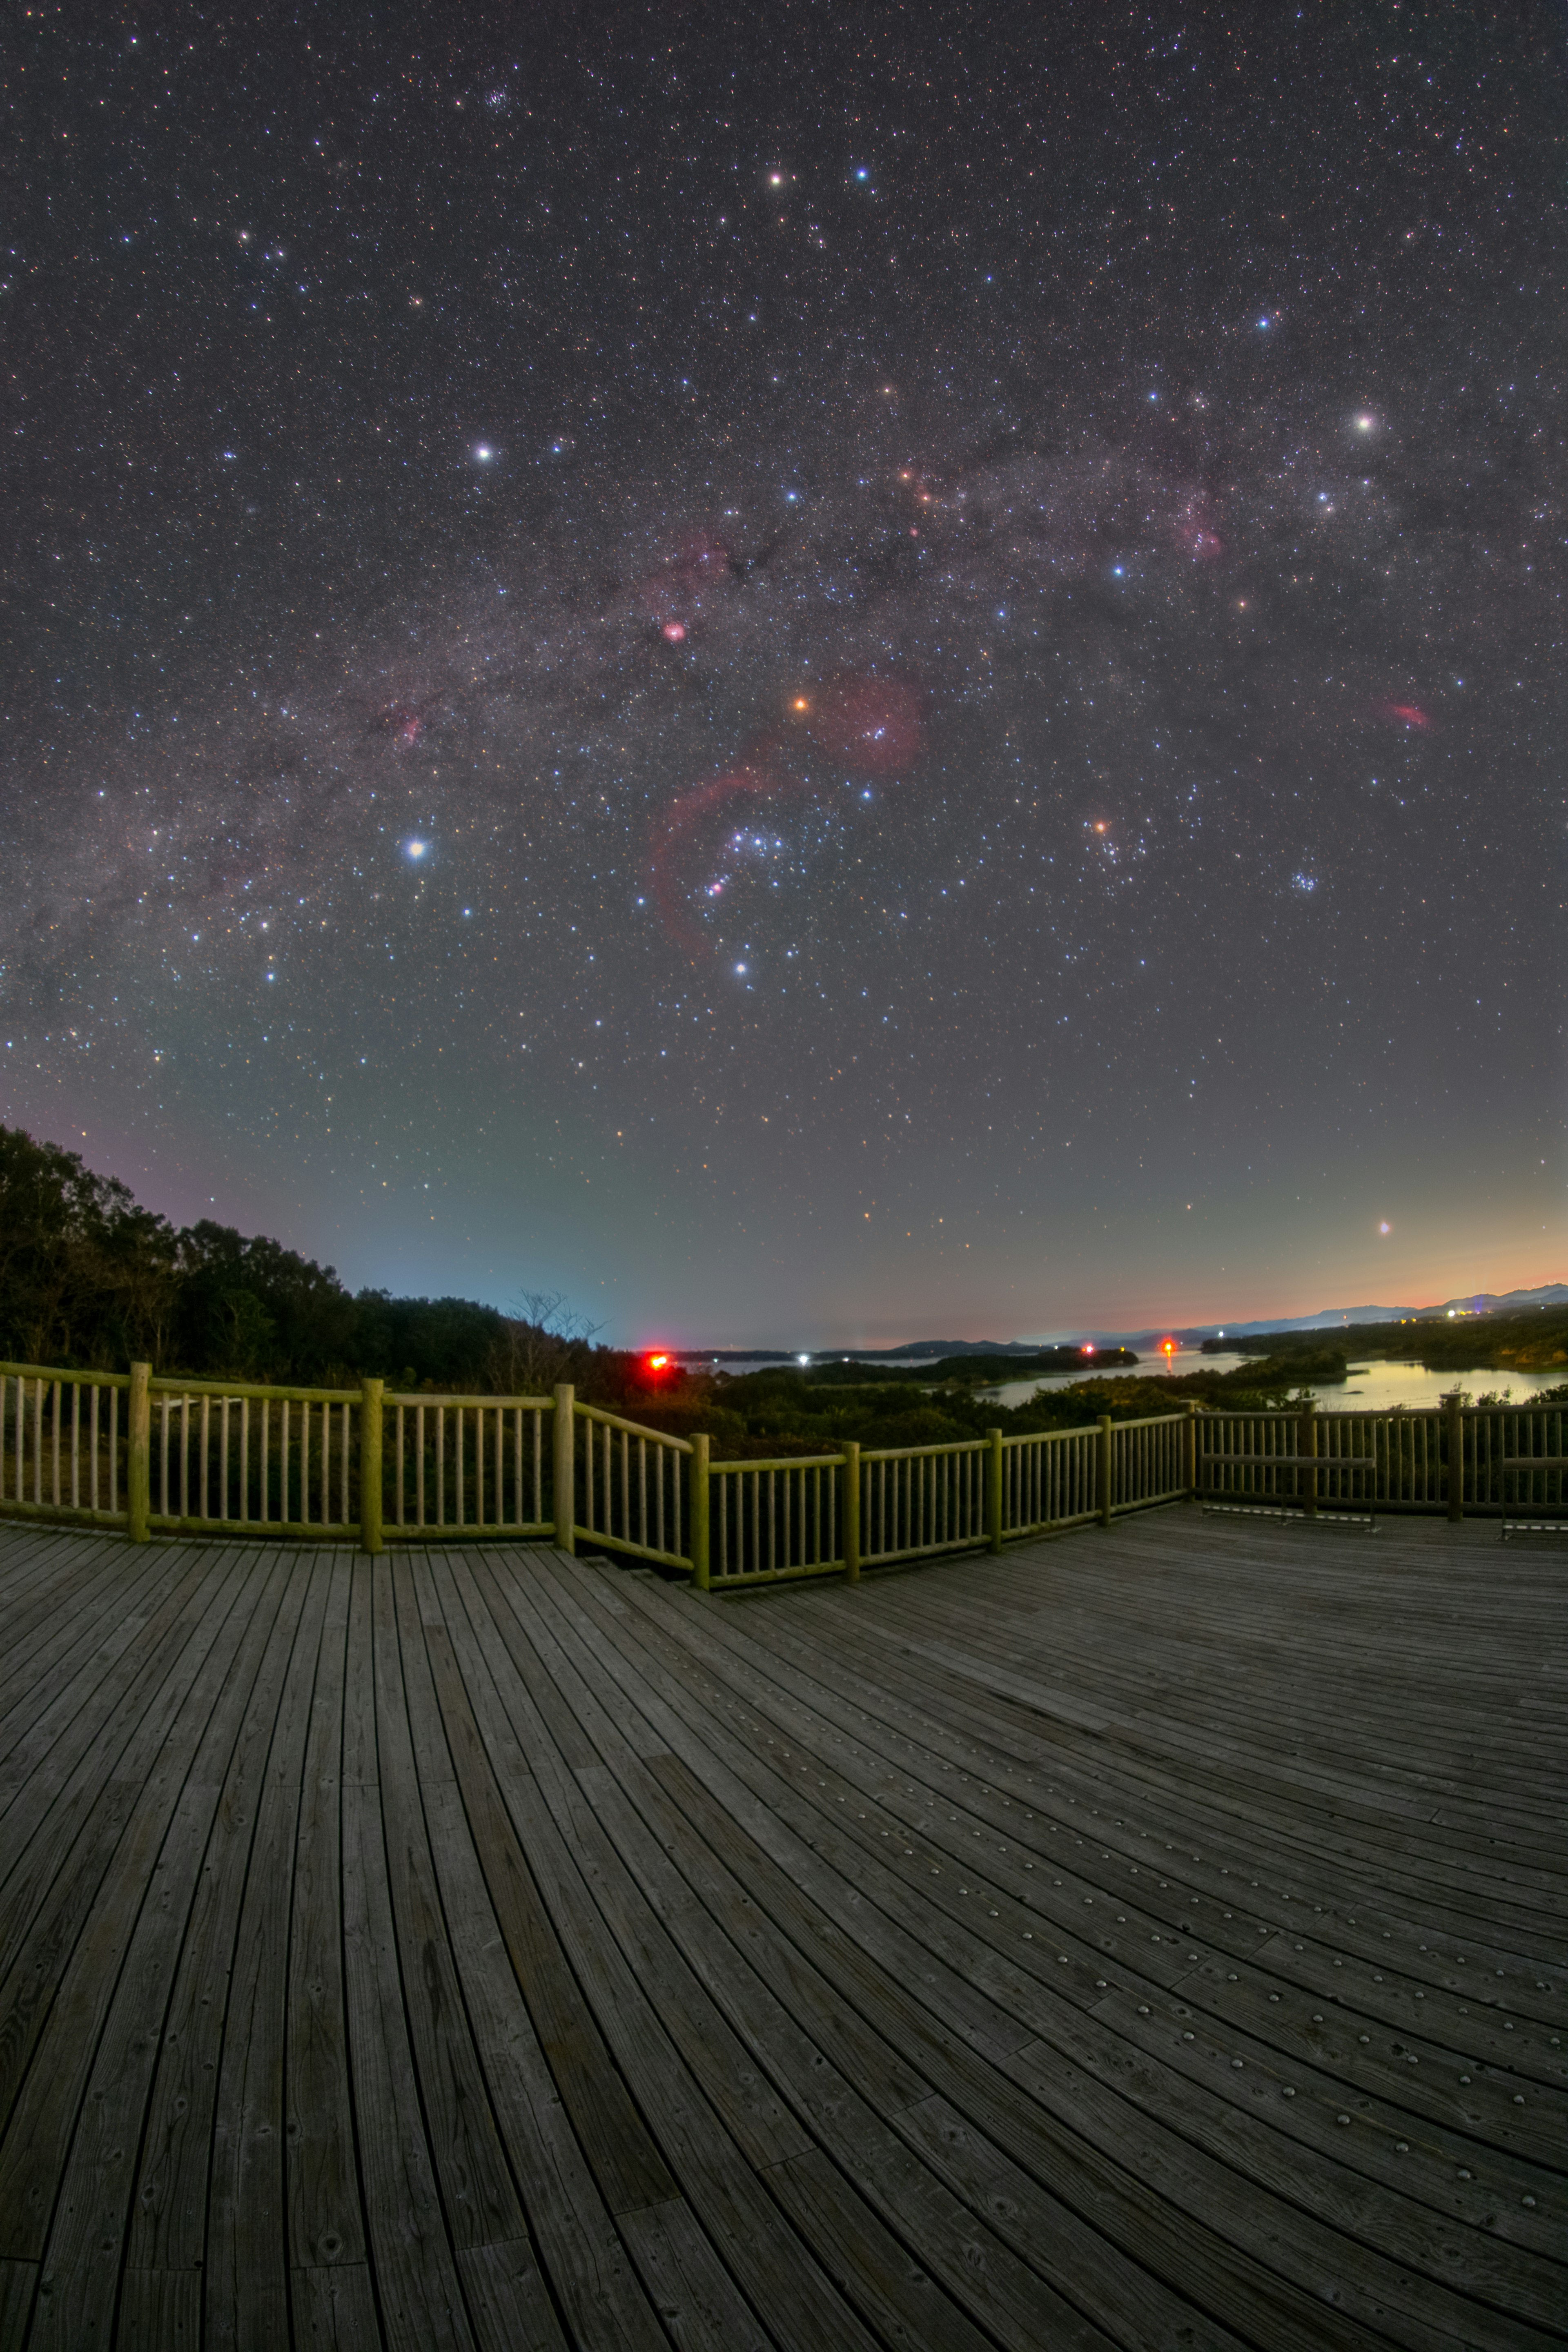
(166, 1384)
(632, 1428)
(457, 1399)
(906, 1453)
(1436, 1411)
(729, 1462)
(476, 1471)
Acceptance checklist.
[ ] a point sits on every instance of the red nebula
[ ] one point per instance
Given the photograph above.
(686, 819)
(1407, 713)
(675, 593)
(875, 725)
(1194, 530)
(403, 721)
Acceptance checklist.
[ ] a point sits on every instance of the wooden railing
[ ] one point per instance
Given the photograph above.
(464, 1466)
(152, 1455)
(222, 1455)
(626, 1482)
(1497, 1461)
(64, 1443)
(772, 1519)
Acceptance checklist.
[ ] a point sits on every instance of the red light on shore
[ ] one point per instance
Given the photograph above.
(1088, 1347)
(658, 1363)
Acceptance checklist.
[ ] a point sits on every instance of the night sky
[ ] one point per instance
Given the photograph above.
(817, 674)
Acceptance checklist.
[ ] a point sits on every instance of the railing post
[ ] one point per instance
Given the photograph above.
(565, 1437)
(1105, 1469)
(1307, 1444)
(993, 1491)
(1192, 1460)
(139, 1456)
(1456, 1456)
(370, 1497)
(700, 1555)
(851, 1511)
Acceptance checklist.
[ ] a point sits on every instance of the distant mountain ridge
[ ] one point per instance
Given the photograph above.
(1478, 1302)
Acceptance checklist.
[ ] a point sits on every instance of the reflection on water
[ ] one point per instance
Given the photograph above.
(1372, 1387)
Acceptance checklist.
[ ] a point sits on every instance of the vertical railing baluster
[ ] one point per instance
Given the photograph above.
(398, 1489)
(658, 1498)
(626, 1535)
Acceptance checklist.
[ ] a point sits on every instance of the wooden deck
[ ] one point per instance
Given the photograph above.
(1156, 1937)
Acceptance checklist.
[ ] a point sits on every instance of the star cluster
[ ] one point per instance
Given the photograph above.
(801, 678)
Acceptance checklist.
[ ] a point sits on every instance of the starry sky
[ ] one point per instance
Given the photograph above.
(818, 674)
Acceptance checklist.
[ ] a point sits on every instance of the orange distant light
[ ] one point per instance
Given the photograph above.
(801, 703)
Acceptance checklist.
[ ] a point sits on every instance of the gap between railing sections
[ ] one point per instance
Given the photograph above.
(154, 1454)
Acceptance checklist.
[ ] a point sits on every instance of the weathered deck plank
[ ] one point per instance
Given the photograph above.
(1153, 1937)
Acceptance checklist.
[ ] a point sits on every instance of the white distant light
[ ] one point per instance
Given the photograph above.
(415, 848)
(484, 453)
(1385, 1227)
(805, 1359)
(740, 968)
(1365, 423)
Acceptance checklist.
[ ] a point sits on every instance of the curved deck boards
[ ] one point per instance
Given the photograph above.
(1149, 1938)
